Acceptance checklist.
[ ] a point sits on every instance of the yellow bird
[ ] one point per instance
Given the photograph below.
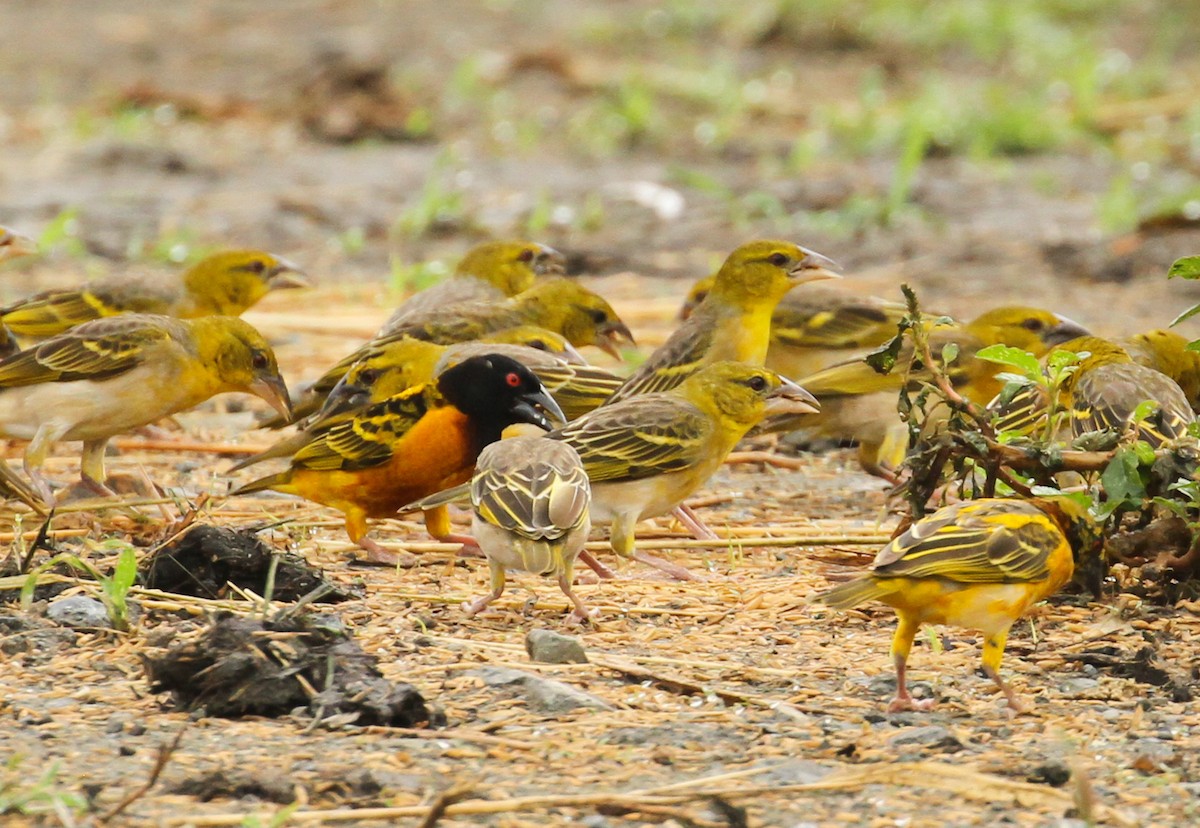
(530, 499)
(734, 320)
(817, 326)
(558, 304)
(1102, 394)
(980, 564)
(225, 284)
(859, 404)
(489, 272)
(644, 455)
(114, 375)
(1167, 351)
(14, 245)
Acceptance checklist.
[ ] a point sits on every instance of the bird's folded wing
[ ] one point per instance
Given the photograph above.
(641, 438)
(100, 349)
(370, 437)
(538, 500)
(1007, 544)
(848, 325)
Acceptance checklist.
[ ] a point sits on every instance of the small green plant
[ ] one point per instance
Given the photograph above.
(114, 588)
(62, 233)
(42, 796)
(409, 278)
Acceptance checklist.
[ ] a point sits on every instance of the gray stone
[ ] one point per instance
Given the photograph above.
(794, 772)
(79, 612)
(550, 647)
(543, 694)
(1078, 685)
(927, 736)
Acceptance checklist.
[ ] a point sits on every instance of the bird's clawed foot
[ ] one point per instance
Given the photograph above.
(602, 571)
(901, 703)
(679, 573)
(379, 556)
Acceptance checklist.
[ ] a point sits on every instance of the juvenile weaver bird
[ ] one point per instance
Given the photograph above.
(489, 272)
(530, 511)
(225, 284)
(412, 445)
(644, 455)
(816, 326)
(13, 245)
(733, 322)
(112, 375)
(859, 404)
(980, 564)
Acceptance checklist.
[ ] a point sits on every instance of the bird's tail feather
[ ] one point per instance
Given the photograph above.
(852, 593)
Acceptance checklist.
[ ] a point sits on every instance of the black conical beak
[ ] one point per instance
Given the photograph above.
(612, 334)
(274, 391)
(535, 405)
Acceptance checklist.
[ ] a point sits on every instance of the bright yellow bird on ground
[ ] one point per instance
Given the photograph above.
(980, 564)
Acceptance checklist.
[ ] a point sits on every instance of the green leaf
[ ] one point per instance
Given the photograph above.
(1023, 361)
(1144, 409)
(1122, 481)
(949, 353)
(1060, 359)
(1187, 314)
(1186, 268)
(1194, 345)
(883, 359)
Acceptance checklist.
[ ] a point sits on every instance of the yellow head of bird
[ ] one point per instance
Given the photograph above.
(739, 395)
(242, 359)
(580, 315)
(232, 281)
(511, 266)
(1030, 329)
(763, 271)
(696, 295)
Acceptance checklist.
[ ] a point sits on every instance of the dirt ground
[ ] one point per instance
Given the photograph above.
(134, 137)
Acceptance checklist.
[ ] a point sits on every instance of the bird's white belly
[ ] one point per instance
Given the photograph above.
(90, 410)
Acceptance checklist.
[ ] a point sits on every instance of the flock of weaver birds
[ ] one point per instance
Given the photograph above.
(474, 390)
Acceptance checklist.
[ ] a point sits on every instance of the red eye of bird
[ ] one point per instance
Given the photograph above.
(513, 380)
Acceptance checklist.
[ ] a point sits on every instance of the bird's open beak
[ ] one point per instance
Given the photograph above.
(285, 275)
(612, 335)
(790, 399)
(814, 267)
(534, 406)
(274, 392)
(1064, 331)
(549, 262)
(13, 245)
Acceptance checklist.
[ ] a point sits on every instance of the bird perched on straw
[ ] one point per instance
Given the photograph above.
(860, 404)
(576, 388)
(13, 245)
(411, 445)
(980, 564)
(557, 304)
(530, 500)
(489, 272)
(225, 284)
(1105, 392)
(402, 362)
(113, 375)
(817, 326)
(645, 454)
(733, 322)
